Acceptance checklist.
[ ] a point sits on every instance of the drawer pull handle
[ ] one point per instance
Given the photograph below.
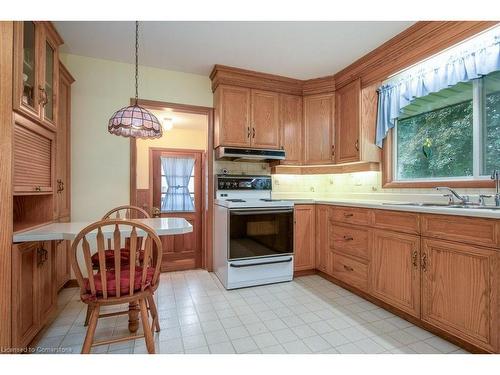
(347, 268)
(348, 238)
(346, 214)
(414, 259)
(424, 262)
(38, 188)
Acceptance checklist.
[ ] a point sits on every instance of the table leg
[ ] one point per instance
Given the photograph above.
(133, 317)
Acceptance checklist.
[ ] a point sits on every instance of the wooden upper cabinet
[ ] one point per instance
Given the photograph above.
(246, 118)
(318, 128)
(265, 119)
(460, 291)
(395, 270)
(63, 146)
(33, 159)
(347, 124)
(355, 123)
(304, 237)
(291, 128)
(232, 120)
(36, 71)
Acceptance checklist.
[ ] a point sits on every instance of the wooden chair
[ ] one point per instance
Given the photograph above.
(125, 212)
(134, 282)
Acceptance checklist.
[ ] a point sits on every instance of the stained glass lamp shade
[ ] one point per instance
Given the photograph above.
(134, 120)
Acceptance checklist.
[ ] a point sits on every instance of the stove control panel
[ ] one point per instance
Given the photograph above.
(232, 182)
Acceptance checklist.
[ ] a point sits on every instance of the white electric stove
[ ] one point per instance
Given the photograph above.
(253, 241)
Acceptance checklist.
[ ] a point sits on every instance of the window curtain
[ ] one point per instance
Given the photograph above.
(473, 60)
(178, 173)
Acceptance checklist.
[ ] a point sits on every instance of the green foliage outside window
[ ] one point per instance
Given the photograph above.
(434, 134)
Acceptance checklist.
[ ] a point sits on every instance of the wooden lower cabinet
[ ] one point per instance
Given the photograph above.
(460, 291)
(395, 270)
(62, 264)
(322, 237)
(304, 237)
(350, 270)
(33, 290)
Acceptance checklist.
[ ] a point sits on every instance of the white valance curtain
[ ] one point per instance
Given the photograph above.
(474, 60)
(178, 172)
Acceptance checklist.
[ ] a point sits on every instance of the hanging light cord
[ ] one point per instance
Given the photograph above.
(136, 61)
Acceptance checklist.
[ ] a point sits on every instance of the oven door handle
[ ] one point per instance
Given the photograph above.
(261, 263)
(254, 212)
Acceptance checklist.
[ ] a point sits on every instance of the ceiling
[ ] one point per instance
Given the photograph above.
(299, 49)
(182, 120)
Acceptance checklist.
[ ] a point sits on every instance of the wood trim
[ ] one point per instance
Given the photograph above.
(228, 75)
(6, 149)
(207, 182)
(322, 85)
(304, 273)
(429, 327)
(326, 169)
(419, 41)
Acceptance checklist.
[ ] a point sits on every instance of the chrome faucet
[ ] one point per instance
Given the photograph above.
(495, 175)
(462, 199)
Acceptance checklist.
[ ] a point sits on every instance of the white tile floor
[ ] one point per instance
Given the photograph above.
(197, 315)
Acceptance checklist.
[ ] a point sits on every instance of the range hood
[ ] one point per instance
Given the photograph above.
(248, 154)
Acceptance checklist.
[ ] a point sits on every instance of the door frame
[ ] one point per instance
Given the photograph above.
(207, 180)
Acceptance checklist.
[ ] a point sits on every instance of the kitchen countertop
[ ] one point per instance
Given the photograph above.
(397, 206)
(69, 231)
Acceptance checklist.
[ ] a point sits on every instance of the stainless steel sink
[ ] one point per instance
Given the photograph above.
(418, 204)
(444, 205)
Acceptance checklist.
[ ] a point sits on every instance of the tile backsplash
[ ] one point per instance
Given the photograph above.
(366, 184)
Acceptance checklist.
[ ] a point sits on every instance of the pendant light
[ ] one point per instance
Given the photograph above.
(134, 120)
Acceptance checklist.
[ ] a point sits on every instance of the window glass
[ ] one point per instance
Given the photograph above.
(491, 121)
(434, 136)
(179, 196)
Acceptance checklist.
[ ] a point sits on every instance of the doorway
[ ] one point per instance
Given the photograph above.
(177, 192)
(193, 250)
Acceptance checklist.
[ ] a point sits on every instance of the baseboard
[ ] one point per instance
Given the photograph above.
(71, 283)
(304, 273)
(435, 330)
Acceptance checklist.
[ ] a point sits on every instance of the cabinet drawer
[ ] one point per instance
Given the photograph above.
(351, 215)
(476, 231)
(353, 241)
(406, 222)
(350, 271)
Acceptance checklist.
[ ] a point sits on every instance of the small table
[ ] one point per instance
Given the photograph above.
(68, 231)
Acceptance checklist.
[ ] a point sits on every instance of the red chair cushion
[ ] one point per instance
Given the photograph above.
(109, 256)
(124, 281)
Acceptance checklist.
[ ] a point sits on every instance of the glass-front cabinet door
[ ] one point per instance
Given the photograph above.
(36, 71)
(26, 68)
(48, 86)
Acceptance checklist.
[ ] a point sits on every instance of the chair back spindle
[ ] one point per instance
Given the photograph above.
(143, 270)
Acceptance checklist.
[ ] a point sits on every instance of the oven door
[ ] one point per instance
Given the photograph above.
(257, 233)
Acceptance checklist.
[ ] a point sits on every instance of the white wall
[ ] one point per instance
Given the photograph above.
(99, 160)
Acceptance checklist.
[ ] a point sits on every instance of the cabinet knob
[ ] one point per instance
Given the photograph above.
(253, 132)
(357, 145)
(38, 188)
(248, 132)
